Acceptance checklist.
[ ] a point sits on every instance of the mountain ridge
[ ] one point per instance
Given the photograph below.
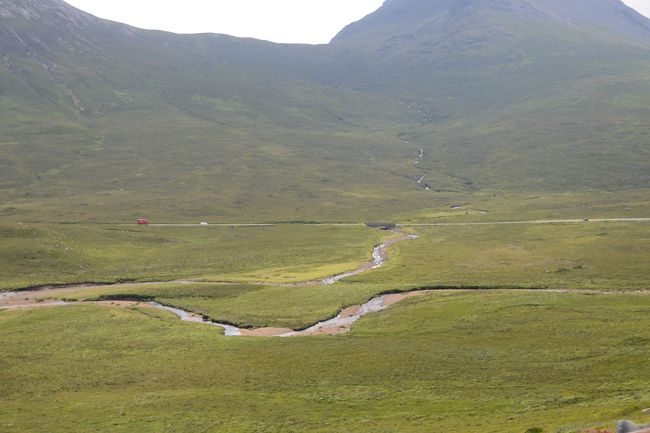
(612, 15)
(467, 99)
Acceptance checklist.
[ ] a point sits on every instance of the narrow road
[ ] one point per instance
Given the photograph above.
(206, 225)
(531, 222)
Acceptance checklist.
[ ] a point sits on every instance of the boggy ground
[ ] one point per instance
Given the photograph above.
(494, 361)
(41, 254)
(593, 256)
(447, 361)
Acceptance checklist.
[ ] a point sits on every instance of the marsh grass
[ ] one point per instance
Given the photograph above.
(38, 254)
(488, 361)
(565, 256)
(572, 256)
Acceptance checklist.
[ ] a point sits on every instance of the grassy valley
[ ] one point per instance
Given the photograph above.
(470, 123)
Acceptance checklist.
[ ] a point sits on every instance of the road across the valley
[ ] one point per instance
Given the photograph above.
(433, 224)
(532, 222)
(207, 225)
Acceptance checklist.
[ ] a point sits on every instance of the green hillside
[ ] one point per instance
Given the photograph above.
(511, 95)
(105, 122)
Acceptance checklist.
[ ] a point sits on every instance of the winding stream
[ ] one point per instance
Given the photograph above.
(379, 259)
(343, 322)
(229, 330)
(339, 324)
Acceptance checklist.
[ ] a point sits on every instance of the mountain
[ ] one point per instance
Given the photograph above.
(413, 19)
(440, 47)
(550, 94)
(114, 121)
(105, 121)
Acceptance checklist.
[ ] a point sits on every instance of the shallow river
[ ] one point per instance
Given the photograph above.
(339, 324)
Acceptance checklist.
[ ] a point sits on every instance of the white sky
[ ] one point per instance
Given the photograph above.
(295, 21)
(642, 6)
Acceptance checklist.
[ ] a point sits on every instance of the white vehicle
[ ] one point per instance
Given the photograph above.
(204, 224)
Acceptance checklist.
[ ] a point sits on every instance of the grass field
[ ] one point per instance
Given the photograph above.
(34, 254)
(489, 361)
(595, 256)
(494, 362)
(241, 304)
(588, 256)
(507, 206)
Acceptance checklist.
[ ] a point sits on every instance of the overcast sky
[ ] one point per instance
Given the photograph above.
(298, 21)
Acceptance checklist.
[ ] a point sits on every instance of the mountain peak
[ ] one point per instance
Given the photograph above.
(41, 19)
(37, 27)
(396, 17)
(32, 9)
